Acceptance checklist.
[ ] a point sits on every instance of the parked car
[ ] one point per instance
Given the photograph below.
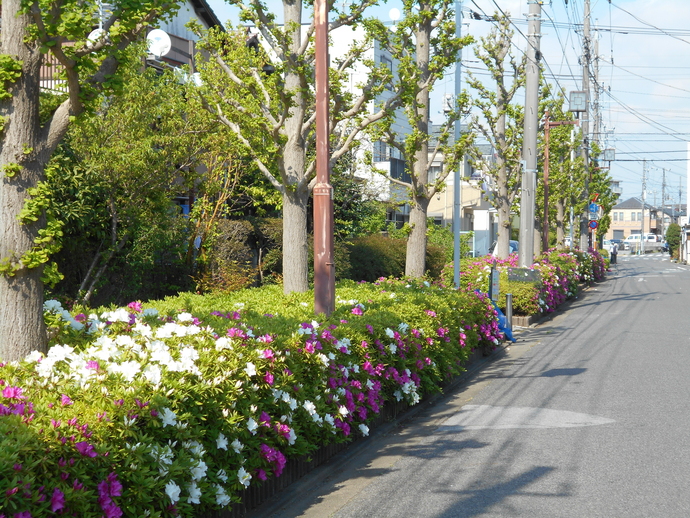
(514, 246)
(608, 245)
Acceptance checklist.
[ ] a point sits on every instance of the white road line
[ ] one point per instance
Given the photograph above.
(477, 417)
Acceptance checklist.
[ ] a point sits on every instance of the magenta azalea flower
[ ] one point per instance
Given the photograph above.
(86, 449)
(57, 501)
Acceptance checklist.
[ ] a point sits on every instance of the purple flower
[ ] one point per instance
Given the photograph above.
(57, 501)
(92, 364)
(357, 310)
(268, 378)
(86, 449)
(134, 306)
(13, 393)
(65, 400)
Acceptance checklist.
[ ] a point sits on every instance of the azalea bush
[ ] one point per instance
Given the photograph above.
(560, 274)
(176, 407)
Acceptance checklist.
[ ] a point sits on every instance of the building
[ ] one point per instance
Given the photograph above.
(181, 48)
(628, 218)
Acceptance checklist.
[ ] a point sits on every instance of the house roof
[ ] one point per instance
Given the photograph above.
(205, 13)
(632, 203)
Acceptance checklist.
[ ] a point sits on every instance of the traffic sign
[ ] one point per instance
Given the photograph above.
(593, 208)
(593, 224)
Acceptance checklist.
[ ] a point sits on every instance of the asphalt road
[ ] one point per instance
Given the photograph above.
(588, 415)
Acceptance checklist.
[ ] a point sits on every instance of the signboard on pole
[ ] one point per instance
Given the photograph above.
(494, 287)
(593, 224)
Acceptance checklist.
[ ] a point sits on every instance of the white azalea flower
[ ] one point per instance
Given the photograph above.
(194, 493)
(222, 475)
(199, 471)
(250, 369)
(244, 477)
(53, 306)
(173, 491)
(364, 429)
(392, 348)
(390, 333)
(222, 442)
(292, 437)
(185, 317)
(168, 417)
(252, 426)
(237, 445)
(34, 356)
(309, 407)
(223, 343)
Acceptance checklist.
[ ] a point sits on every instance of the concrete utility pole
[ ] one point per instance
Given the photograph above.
(643, 235)
(324, 267)
(457, 178)
(529, 149)
(584, 218)
(663, 204)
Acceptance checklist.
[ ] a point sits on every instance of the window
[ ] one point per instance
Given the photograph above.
(399, 170)
(380, 151)
(434, 171)
(615, 216)
(639, 216)
(632, 216)
(621, 215)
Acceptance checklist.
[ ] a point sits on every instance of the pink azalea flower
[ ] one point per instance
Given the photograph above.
(65, 400)
(134, 306)
(13, 393)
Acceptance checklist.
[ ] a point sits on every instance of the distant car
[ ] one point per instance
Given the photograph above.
(514, 246)
(608, 245)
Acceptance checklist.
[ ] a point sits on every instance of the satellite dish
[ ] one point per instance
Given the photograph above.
(159, 42)
(94, 36)
(394, 14)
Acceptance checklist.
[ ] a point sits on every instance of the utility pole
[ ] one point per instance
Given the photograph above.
(663, 203)
(643, 236)
(457, 178)
(596, 136)
(585, 238)
(324, 267)
(531, 124)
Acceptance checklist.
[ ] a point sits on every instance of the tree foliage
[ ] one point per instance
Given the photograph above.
(424, 46)
(54, 34)
(501, 121)
(272, 114)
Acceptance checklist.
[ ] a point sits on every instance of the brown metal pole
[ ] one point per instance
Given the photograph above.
(324, 269)
(545, 233)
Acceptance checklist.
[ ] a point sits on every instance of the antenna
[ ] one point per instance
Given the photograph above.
(159, 42)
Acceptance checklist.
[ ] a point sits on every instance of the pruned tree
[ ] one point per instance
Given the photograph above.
(35, 34)
(566, 172)
(424, 45)
(501, 121)
(266, 97)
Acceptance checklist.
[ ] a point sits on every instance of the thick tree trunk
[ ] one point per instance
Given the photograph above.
(560, 219)
(415, 264)
(22, 329)
(295, 249)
